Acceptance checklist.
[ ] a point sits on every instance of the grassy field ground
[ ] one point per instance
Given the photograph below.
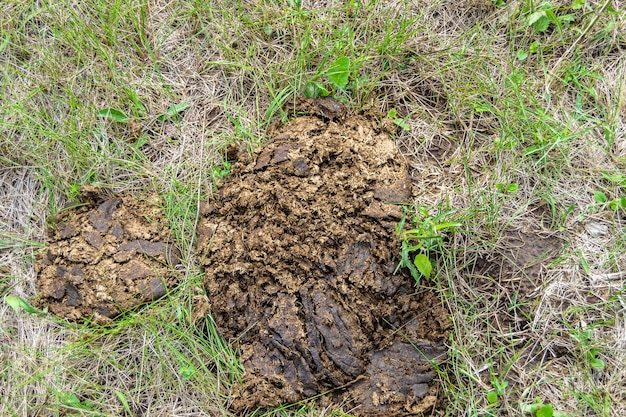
(514, 117)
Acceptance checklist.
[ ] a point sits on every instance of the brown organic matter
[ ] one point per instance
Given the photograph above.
(300, 251)
(106, 256)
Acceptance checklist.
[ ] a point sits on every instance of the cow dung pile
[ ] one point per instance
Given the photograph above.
(300, 249)
(105, 256)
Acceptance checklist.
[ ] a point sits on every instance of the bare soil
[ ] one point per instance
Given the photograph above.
(106, 256)
(300, 250)
(514, 270)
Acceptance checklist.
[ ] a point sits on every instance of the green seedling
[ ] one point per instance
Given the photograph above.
(585, 338)
(187, 372)
(510, 188)
(423, 239)
(497, 391)
(223, 170)
(399, 121)
(539, 409)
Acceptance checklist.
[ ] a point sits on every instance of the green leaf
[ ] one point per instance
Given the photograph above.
(545, 411)
(408, 264)
(615, 178)
(599, 197)
(530, 408)
(585, 264)
(404, 125)
(532, 48)
(17, 303)
(295, 4)
(482, 108)
(70, 400)
(621, 202)
(339, 72)
(315, 90)
(507, 188)
(577, 4)
(114, 115)
(539, 21)
(392, 113)
(124, 402)
(173, 111)
(492, 397)
(5, 41)
(596, 363)
(187, 372)
(522, 54)
(423, 265)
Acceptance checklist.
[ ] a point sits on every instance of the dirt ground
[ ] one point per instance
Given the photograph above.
(300, 250)
(106, 256)
(514, 269)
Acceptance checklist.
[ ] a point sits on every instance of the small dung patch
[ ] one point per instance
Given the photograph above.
(104, 257)
(299, 248)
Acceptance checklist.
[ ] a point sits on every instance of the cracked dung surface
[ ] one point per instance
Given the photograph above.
(104, 257)
(300, 249)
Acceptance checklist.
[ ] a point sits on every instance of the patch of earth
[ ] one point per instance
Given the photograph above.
(517, 262)
(300, 250)
(106, 256)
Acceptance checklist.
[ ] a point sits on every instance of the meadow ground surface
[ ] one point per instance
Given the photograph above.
(511, 114)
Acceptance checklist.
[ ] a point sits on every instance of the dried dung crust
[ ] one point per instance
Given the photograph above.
(300, 250)
(105, 257)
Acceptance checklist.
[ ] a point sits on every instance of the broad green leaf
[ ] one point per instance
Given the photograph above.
(315, 90)
(492, 397)
(423, 265)
(534, 17)
(599, 197)
(545, 411)
(512, 188)
(17, 303)
(539, 21)
(533, 47)
(114, 115)
(596, 363)
(522, 54)
(392, 113)
(577, 4)
(339, 72)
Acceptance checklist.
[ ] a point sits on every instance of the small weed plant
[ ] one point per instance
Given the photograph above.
(422, 240)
